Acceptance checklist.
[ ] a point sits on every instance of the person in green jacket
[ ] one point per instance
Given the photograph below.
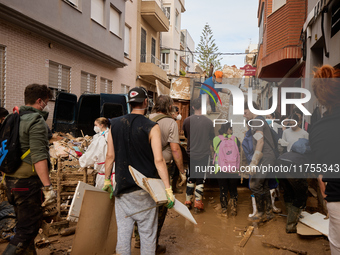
(227, 181)
(26, 185)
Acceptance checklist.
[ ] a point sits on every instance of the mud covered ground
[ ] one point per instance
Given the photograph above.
(216, 234)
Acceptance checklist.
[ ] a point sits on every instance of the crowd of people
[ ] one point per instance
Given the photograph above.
(152, 146)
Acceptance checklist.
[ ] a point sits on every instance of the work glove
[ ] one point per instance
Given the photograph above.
(50, 196)
(254, 162)
(171, 198)
(108, 187)
(183, 177)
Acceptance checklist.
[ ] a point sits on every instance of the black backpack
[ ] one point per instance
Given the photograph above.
(10, 150)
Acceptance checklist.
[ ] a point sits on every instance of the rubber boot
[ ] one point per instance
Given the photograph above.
(233, 206)
(253, 202)
(224, 205)
(10, 250)
(198, 206)
(30, 249)
(188, 204)
(258, 216)
(269, 206)
(14, 249)
(275, 209)
(174, 187)
(292, 218)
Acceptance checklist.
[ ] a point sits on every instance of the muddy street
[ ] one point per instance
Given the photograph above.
(217, 234)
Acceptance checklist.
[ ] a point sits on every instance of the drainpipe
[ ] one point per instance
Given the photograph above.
(325, 10)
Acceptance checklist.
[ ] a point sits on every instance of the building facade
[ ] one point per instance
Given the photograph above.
(171, 56)
(151, 21)
(70, 45)
(322, 38)
(187, 45)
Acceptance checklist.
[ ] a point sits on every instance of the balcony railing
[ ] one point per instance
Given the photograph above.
(160, 4)
(149, 58)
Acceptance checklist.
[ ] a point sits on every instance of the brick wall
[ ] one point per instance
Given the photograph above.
(27, 62)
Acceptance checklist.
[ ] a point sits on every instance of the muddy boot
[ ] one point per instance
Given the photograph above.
(292, 217)
(275, 209)
(174, 187)
(199, 207)
(258, 216)
(233, 206)
(14, 249)
(269, 206)
(160, 249)
(224, 205)
(30, 249)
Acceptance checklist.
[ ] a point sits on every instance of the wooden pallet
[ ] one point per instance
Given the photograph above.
(65, 181)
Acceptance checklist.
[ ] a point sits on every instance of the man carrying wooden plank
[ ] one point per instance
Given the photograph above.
(136, 141)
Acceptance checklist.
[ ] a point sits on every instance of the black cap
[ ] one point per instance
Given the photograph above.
(137, 94)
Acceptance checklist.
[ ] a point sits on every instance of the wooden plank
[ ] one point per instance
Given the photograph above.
(304, 230)
(59, 186)
(78, 195)
(313, 192)
(156, 189)
(96, 231)
(178, 207)
(316, 221)
(246, 236)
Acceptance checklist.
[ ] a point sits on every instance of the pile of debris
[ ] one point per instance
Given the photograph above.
(65, 151)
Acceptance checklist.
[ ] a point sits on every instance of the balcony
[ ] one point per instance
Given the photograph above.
(151, 68)
(153, 14)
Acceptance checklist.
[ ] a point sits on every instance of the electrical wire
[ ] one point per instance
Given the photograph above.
(214, 53)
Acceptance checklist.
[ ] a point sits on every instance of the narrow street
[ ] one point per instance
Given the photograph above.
(216, 234)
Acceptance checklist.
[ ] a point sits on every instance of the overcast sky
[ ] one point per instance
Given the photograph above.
(234, 24)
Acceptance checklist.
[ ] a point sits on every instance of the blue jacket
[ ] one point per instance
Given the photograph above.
(247, 146)
(209, 82)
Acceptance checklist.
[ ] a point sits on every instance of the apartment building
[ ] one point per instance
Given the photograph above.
(322, 38)
(280, 44)
(187, 45)
(70, 45)
(171, 55)
(151, 21)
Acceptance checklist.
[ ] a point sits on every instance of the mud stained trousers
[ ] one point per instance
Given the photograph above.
(295, 191)
(127, 204)
(26, 197)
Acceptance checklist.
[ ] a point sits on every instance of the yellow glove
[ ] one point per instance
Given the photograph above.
(171, 198)
(108, 187)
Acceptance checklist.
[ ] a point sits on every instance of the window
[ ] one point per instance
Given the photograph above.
(143, 46)
(115, 21)
(59, 78)
(261, 26)
(105, 86)
(124, 89)
(88, 83)
(2, 74)
(176, 20)
(97, 11)
(167, 12)
(335, 26)
(175, 63)
(153, 50)
(127, 41)
(165, 59)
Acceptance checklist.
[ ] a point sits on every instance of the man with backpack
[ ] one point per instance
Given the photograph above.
(26, 184)
(227, 163)
(161, 114)
(265, 155)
